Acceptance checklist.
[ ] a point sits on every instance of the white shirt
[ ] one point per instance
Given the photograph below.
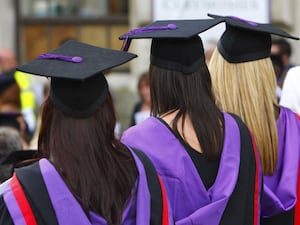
(290, 95)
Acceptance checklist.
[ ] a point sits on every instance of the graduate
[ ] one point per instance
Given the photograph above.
(83, 175)
(206, 158)
(244, 82)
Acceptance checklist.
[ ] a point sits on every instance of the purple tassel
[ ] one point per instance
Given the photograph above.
(74, 59)
(126, 36)
(243, 20)
(149, 29)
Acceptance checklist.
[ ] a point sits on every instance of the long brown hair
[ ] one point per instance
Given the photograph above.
(191, 95)
(97, 168)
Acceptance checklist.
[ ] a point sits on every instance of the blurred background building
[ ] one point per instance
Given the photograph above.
(31, 27)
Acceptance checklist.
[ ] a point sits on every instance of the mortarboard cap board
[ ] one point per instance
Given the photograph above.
(175, 43)
(244, 40)
(78, 86)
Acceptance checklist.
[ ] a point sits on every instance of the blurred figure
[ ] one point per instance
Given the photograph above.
(16, 120)
(282, 48)
(10, 106)
(290, 95)
(10, 100)
(279, 73)
(8, 64)
(7, 60)
(34, 141)
(209, 48)
(142, 108)
(10, 141)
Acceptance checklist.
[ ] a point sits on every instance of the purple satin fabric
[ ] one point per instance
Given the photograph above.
(189, 199)
(13, 207)
(251, 23)
(127, 39)
(280, 190)
(148, 29)
(66, 58)
(69, 212)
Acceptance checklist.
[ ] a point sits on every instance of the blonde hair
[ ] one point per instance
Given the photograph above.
(249, 90)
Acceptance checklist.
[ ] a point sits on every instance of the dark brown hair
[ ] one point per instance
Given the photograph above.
(97, 168)
(190, 94)
(144, 78)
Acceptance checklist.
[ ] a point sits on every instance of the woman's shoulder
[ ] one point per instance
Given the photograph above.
(4, 186)
(287, 112)
(234, 118)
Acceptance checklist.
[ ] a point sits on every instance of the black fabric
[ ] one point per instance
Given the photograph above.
(32, 183)
(5, 218)
(207, 170)
(18, 156)
(154, 188)
(245, 187)
(10, 119)
(184, 55)
(79, 98)
(31, 179)
(286, 218)
(244, 46)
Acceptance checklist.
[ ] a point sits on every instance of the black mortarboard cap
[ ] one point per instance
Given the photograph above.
(78, 86)
(175, 43)
(245, 40)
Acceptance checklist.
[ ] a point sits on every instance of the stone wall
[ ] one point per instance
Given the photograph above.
(7, 24)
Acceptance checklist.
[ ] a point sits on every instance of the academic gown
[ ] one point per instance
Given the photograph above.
(58, 205)
(280, 189)
(233, 199)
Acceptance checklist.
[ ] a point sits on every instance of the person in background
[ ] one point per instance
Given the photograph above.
(83, 175)
(209, 48)
(282, 48)
(8, 60)
(244, 83)
(34, 140)
(206, 157)
(9, 93)
(290, 95)
(142, 108)
(17, 122)
(10, 140)
(279, 73)
(10, 106)
(8, 65)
